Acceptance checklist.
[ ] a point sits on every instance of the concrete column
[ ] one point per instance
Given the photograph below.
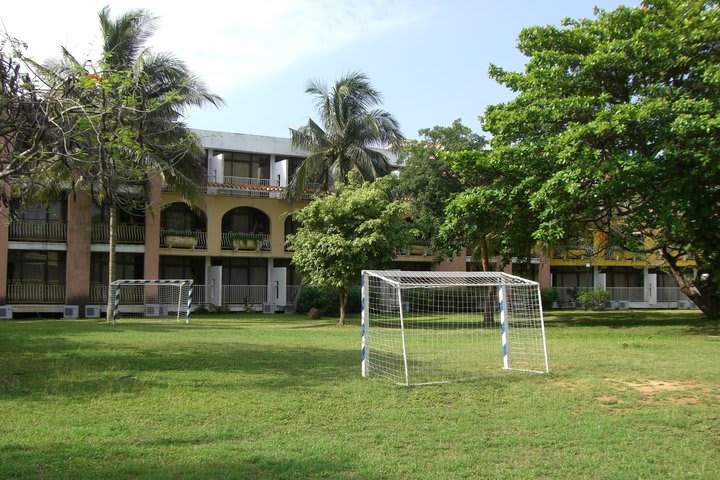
(77, 260)
(152, 230)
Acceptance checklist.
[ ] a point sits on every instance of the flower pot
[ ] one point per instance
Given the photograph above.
(180, 241)
(246, 244)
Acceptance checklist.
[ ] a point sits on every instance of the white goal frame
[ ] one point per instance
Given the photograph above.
(180, 306)
(433, 327)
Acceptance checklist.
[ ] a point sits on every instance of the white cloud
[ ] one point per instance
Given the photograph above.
(230, 45)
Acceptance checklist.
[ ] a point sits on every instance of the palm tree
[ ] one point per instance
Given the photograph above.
(352, 135)
(134, 113)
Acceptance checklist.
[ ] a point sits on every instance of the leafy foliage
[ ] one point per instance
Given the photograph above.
(428, 176)
(615, 128)
(351, 137)
(359, 227)
(594, 299)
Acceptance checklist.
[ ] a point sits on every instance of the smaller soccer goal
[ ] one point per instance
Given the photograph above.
(434, 327)
(151, 299)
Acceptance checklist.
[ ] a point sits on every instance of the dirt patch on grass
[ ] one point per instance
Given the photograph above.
(666, 391)
(568, 384)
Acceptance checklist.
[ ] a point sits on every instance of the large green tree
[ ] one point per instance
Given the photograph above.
(427, 176)
(351, 135)
(615, 126)
(125, 119)
(360, 226)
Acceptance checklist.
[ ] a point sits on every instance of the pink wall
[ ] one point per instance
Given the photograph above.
(152, 231)
(455, 264)
(77, 269)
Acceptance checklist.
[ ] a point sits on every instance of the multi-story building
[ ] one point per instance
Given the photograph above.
(233, 246)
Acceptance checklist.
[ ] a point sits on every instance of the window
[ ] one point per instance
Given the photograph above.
(101, 214)
(247, 220)
(243, 271)
(127, 265)
(178, 216)
(246, 165)
(54, 212)
(183, 268)
(27, 266)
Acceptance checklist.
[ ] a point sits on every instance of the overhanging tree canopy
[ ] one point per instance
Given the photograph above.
(616, 126)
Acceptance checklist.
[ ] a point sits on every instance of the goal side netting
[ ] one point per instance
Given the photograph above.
(151, 299)
(432, 327)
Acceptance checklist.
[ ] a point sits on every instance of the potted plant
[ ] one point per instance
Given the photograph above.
(245, 241)
(183, 239)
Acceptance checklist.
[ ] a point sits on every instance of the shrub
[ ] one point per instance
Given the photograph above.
(548, 296)
(594, 299)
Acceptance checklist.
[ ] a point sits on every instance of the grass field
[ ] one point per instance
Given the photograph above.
(630, 395)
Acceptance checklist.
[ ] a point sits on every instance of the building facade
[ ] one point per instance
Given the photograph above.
(55, 259)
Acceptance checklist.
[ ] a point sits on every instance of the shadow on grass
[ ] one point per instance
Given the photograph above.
(61, 367)
(692, 321)
(118, 461)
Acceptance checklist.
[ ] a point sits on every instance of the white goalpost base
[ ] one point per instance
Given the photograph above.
(434, 327)
(151, 299)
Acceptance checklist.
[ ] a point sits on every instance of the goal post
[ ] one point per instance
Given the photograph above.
(151, 299)
(433, 327)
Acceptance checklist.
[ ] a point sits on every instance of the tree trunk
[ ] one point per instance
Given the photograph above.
(343, 302)
(111, 262)
(490, 293)
(703, 292)
(296, 300)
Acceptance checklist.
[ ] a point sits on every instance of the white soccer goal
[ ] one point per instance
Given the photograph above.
(151, 299)
(432, 327)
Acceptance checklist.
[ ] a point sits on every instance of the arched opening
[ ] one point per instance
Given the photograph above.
(291, 227)
(246, 228)
(181, 227)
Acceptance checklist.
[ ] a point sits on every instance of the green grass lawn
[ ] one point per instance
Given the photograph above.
(630, 395)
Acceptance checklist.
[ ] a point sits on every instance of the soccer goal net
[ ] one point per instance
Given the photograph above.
(432, 327)
(151, 299)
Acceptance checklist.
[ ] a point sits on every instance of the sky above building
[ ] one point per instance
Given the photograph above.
(429, 58)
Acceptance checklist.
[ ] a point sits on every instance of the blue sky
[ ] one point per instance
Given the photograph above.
(428, 58)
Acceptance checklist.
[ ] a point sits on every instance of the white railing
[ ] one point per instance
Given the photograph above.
(262, 238)
(244, 294)
(627, 294)
(670, 294)
(38, 230)
(266, 182)
(291, 293)
(199, 294)
(123, 233)
(35, 293)
(200, 237)
(98, 294)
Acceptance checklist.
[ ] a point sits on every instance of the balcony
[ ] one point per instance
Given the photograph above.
(244, 294)
(232, 241)
(242, 186)
(125, 234)
(183, 239)
(38, 230)
(34, 293)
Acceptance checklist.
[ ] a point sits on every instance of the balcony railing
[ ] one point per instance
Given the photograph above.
(228, 242)
(38, 230)
(244, 294)
(670, 294)
(627, 294)
(98, 294)
(100, 233)
(35, 293)
(185, 239)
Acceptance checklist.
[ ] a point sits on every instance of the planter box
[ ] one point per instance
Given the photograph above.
(418, 250)
(180, 241)
(246, 244)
